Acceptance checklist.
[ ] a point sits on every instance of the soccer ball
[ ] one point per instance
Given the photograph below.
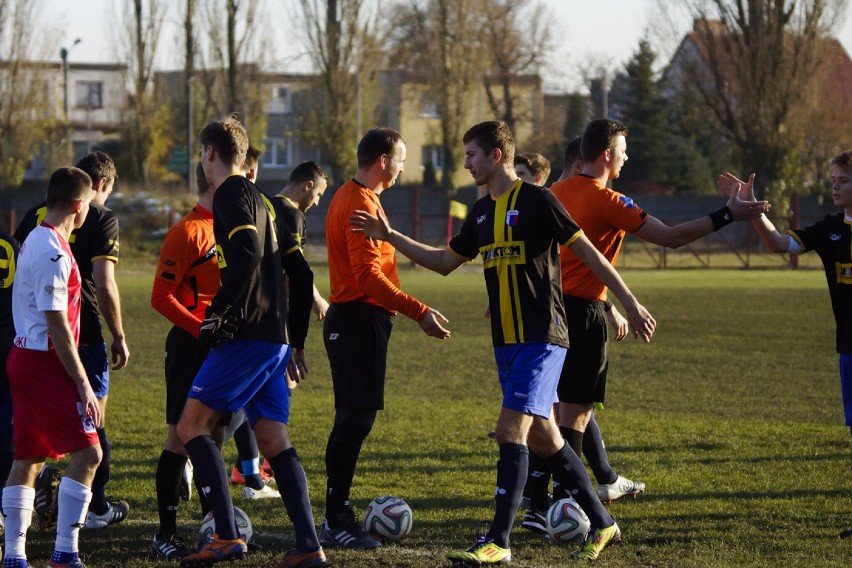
(208, 525)
(388, 518)
(566, 521)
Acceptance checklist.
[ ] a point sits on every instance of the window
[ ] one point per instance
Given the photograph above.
(433, 154)
(278, 153)
(89, 94)
(280, 101)
(429, 106)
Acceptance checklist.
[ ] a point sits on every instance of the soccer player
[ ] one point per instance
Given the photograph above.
(605, 216)
(55, 409)
(246, 366)
(8, 259)
(247, 471)
(304, 189)
(517, 227)
(365, 296)
(95, 246)
(186, 280)
(831, 239)
(532, 168)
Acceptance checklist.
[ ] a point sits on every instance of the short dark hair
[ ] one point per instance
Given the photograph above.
(66, 186)
(252, 159)
(535, 163)
(376, 143)
(571, 153)
(490, 135)
(308, 171)
(201, 180)
(600, 136)
(844, 160)
(98, 165)
(228, 137)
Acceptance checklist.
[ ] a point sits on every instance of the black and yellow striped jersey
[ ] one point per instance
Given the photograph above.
(518, 236)
(831, 239)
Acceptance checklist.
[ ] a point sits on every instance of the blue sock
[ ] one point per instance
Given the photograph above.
(293, 486)
(209, 470)
(569, 472)
(511, 475)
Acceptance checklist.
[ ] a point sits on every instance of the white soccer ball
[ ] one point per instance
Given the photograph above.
(566, 521)
(208, 525)
(388, 518)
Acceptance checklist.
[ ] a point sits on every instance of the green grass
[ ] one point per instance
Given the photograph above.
(732, 416)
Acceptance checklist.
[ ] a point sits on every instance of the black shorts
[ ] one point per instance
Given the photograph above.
(356, 338)
(184, 356)
(583, 379)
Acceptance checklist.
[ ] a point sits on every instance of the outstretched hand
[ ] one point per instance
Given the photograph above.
(372, 226)
(431, 322)
(741, 200)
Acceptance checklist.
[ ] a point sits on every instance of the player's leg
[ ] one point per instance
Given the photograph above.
(356, 337)
(846, 392)
(103, 510)
(248, 471)
(611, 486)
(74, 497)
(17, 502)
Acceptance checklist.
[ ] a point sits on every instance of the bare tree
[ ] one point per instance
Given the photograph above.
(438, 38)
(27, 116)
(143, 22)
(752, 66)
(517, 34)
(345, 51)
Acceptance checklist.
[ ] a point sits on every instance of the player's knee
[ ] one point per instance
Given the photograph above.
(352, 426)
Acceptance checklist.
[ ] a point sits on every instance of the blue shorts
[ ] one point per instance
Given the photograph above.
(846, 385)
(245, 373)
(529, 373)
(96, 363)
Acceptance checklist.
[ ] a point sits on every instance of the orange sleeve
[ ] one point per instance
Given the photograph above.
(171, 269)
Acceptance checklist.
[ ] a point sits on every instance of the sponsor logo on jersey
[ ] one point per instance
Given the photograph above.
(626, 201)
(512, 217)
(55, 258)
(51, 290)
(509, 252)
(480, 219)
(844, 272)
(333, 336)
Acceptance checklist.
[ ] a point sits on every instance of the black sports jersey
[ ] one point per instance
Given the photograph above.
(831, 239)
(289, 218)
(250, 264)
(519, 235)
(8, 258)
(96, 239)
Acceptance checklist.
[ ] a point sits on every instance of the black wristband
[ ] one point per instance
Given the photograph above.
(721, 217)
(607, 306)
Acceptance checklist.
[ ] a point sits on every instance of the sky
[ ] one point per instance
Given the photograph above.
(618, 27)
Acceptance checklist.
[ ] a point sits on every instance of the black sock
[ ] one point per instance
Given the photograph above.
(566, 467)
(574, 439)
(99, 504)
(538, 478)
(340, 461)
(209, 469)
(202, 499)
(511, 473)
(247, 450)
(293, 485)
(168, 478)
(593, 449)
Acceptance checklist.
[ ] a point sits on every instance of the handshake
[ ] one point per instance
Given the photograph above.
(219, 327)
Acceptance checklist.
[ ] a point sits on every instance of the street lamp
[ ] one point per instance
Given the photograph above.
(63, 54)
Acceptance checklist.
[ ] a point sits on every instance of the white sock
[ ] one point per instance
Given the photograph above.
(74, 498)
(18, 510)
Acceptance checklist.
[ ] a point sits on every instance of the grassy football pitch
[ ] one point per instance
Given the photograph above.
(732, 416)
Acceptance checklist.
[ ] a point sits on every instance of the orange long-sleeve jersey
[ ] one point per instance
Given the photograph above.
(362, 269)
(187, 275)
(605, 216)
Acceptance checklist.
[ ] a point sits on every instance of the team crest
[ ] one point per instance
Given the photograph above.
(626, 201)
(834, 236)
(512, 217)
